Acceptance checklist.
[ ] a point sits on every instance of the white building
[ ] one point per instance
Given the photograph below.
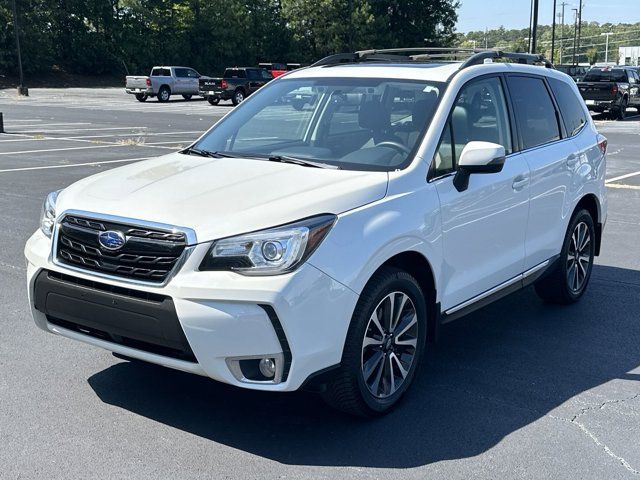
(629, 56)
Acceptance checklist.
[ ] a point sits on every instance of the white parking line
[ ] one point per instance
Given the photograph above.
(86, 129)
(50, 124)
(111, 145)
(50, 167)
(622, 177)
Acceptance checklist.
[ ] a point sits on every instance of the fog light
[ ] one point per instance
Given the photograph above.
(267, 367)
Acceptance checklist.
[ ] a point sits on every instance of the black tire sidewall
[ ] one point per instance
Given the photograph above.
(235, 100)
(213, 101)
(581, 216)
(396, 281)
(160, 92)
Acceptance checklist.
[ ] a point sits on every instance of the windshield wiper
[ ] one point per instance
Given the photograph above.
(301, 162)
(208, 153)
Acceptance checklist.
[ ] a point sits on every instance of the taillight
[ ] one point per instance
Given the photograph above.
(614, 89)
(602, 144)
(224, 84)
(148, 82)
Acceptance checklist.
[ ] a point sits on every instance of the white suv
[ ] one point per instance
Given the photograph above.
(319, 239)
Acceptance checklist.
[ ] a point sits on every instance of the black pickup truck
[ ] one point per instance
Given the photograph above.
(611, 89)
(236, 84)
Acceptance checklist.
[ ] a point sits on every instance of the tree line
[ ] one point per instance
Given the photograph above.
(113, 37)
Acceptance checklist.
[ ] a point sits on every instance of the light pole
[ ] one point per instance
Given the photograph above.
(606, 48)
(553, 32)
(533, 26)
(563, 4)
(22, 90)
(575, 33)
(579, 26)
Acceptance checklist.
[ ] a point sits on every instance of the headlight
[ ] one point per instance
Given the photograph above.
(269, 252)
(48, 216)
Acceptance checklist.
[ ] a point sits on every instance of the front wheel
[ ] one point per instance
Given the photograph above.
(186, 97)
(213, 100)
(568, 280)
(620, 113)
(383, 348)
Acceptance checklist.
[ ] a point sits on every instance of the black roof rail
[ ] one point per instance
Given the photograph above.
(469, 56)
(524, 58)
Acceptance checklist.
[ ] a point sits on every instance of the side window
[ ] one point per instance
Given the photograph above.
(192, 73)
(573, 114)
(479, 114)
(252, 74)
(181, 72)
(534, 110)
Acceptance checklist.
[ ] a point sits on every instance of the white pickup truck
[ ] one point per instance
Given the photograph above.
(164, 82)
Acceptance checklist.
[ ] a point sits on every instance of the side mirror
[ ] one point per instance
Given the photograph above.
(478, 157)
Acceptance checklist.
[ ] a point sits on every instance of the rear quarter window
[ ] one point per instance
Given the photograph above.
(573, 114)
(534, 110)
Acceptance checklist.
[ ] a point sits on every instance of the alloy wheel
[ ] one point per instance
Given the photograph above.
(390, 344)
(239, 97)
(578, 257)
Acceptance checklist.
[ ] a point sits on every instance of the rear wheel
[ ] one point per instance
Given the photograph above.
(186, 97)
(164, 94)
(213, 100)
(383, 348)
(141, 97)
(620, 113)
(566, 283)
(238, 97)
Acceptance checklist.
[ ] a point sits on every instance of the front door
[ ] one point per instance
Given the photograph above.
(483, 227)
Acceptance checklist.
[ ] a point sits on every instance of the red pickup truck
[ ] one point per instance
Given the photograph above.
(278, 69)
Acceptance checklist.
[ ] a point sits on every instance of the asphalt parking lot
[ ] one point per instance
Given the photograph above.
(518, 389)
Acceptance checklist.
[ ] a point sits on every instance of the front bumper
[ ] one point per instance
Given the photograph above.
(223, 316)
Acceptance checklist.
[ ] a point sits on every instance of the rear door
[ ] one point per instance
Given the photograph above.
(552, 157)
(192, 82)
(181, 83)
(483, 227)
(634, 88)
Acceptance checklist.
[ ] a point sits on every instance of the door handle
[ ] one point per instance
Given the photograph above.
(520, 182)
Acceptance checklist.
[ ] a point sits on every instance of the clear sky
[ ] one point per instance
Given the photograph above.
(478, 14)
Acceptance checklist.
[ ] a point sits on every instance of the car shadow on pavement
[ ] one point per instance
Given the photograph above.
(492, 373)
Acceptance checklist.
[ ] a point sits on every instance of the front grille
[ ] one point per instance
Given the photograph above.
(149, 254)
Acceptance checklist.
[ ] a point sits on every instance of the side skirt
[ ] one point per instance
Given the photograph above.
(510, 286)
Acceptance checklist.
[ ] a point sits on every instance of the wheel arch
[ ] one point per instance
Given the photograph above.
(163, 86)
(590, 203)
(417, 265)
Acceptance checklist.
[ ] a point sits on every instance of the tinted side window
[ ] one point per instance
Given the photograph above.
(252, 74)
(479, 114)
(570, 106)
(181, 72)
(534, 111)
(192, 73)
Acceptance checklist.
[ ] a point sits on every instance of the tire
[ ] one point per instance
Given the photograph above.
(164, 94)
(620, 113)
(569, 279)
(213, 100)
(141, 97)
(187, 97)
(370, 347)
(238, 96)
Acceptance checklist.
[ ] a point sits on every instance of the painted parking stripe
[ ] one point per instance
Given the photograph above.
(88, 164)
(85, 129)
(622, 177)
(89, 147)
(50, 124)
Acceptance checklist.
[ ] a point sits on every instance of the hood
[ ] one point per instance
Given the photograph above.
(221, 197)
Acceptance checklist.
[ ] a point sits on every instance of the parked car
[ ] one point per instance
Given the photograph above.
(163, 82)
(275, 69)
(323, 249)
(574, 71)
(611, 90)
(236, 84)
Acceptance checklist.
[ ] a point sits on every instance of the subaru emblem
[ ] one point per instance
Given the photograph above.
(112, 240)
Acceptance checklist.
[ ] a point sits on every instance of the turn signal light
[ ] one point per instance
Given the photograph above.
(224, 84)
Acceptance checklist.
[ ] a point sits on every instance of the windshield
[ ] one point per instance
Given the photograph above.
(352, 123)
(605, 76)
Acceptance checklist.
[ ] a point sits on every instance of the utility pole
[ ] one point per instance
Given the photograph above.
(22, 90)
(606, 49)
(563, 4)
(553, 32)
(575, 33)
(579, 28)
(533, 26)
(485, 38)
